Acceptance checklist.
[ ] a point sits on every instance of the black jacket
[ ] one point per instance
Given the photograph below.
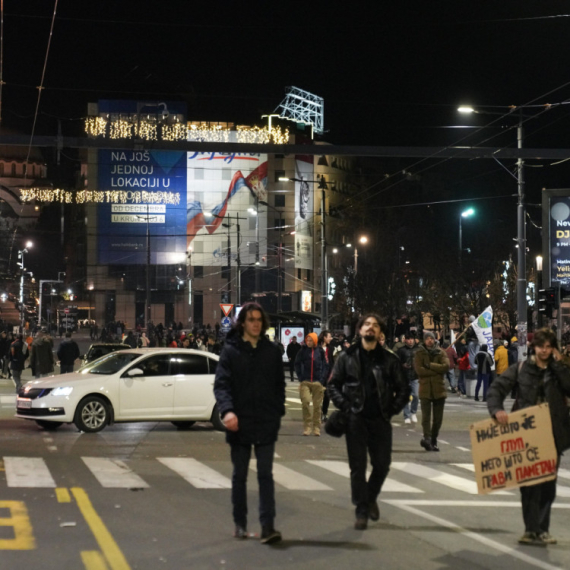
(528, 384)
(346, 389)
(68, 352)
(250, 383)
(293, 350)
(406, 355)
(310, 364)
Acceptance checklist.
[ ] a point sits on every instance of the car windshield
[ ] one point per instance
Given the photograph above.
(110, 363)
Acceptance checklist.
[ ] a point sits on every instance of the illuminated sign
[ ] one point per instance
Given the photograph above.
(306, 301)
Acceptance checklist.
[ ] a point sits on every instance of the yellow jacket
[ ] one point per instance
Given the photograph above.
(501, 359)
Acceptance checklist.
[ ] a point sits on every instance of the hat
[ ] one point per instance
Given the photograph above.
(313, 336)
(505, 343)
(514, 339)
(429, 334)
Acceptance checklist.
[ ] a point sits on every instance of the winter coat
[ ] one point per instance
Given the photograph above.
(310, 364)
(451, 356)
(293, 350)
(501, 359)
(406, 356)
(18, 354)
(250, 383)
(41, 357)
(527, 381)
(68, 352)
(346, 387)
(431, 366)
(484, 362)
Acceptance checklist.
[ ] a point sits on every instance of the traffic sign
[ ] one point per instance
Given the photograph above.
(226, 308)
(226, 324)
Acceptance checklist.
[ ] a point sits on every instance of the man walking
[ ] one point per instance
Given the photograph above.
(250, 394)
(325, 339)
(369, 385)
(41, 355)
(431, 364)
(18, 355)
(406, 355)
(292, 350)
(310, 367)
(68, 352)
(541, 378)
(484, 363)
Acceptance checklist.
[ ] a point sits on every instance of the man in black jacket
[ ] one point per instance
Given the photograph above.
(542, 378)
(369, 384)
(250, 394)
(292, 350)
(68, 353)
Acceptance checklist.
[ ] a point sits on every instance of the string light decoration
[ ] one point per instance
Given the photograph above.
(98, 196)
(150, 129)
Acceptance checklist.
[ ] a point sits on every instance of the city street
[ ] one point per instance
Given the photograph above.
(150, 496)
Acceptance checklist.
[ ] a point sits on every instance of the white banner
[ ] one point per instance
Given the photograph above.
(483, 327)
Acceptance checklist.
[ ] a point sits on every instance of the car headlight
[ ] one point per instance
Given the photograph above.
(63, 391)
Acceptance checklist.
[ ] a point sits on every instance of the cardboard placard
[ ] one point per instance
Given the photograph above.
(517, 454)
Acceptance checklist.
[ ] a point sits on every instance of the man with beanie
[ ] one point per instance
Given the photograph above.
(68, 353)
(310, 367)
(406, 355)
(431, 364)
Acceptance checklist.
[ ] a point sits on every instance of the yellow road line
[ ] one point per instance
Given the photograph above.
(62, 495)
(93, 560)
(23, 535)
(110, 549)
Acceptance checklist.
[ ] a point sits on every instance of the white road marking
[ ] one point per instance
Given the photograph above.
(458, 483)
(563, 474)
(294, 400)
(27, 472)
(113, 473)
(197, 474)
(468, 466)
(515, 553)
(293, 480)
(443, 441)
(8, 399)
(341, 468)
(463, 448)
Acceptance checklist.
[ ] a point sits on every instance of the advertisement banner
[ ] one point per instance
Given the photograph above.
(517, 454)
(483, 327)
(306, 301)
(559, 217)
(304, 212)
(221, 189)
(143, 191)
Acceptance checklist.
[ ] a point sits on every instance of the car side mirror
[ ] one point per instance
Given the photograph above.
(135, 372)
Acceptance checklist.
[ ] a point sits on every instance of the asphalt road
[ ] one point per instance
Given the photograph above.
(133, 496)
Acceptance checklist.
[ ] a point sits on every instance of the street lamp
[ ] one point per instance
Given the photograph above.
(21, 252)
(465, 214)
(522, 324)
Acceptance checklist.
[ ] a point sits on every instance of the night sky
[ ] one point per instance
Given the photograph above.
(389, 76)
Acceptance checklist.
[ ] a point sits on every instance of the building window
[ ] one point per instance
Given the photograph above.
(279, 174)
(252, 222)
(198, 271)
(279, 200)
(13, 169)
(279, 223)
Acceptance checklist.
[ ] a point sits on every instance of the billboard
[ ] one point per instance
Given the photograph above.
(221, 188)
(304, 212)
(556, 237)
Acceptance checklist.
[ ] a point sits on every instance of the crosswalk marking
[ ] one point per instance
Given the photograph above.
(293, 480)
(113, 473)
(197, 474)
(27, 472)
(341, 468)
(564, 474)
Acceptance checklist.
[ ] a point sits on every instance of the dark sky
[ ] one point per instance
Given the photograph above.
(390, 74)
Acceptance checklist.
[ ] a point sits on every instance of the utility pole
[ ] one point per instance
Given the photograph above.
(229, 267)
(324, 267)
(522, 325)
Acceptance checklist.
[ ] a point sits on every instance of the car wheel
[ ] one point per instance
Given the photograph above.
(217, 420)
(183, 425)
(48, 426)
(92, 414)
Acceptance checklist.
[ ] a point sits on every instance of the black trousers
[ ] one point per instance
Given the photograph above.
(367, 437)
(431, 430)
(292, 369)
(536, 505)
(241, 455)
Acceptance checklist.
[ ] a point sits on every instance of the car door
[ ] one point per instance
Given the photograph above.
(194, 388)
(149, 395)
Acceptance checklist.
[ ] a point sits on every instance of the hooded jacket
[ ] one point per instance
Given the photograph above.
(310, 364)
(346, 388)
(484, 360)
(530, 383)
(250, 383)
(431, 365)
(501, 359)
(41, 355)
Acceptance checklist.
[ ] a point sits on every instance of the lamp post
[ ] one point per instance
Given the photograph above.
(147, 218)
(21, 253)
(538, 288)
(522, 325)
(465, 214)
(362, 240)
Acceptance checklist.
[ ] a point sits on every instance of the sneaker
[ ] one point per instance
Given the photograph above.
(307, 431)
(317, 432)
(414, 418)
(426, 444)
(464, 395)
(532, 539)
(361, 524)
(240, 532)
(269, 535)
(374, 511)
(407, 421)
(547, 538)
(324, 418)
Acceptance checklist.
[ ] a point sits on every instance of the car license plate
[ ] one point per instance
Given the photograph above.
(23, 404)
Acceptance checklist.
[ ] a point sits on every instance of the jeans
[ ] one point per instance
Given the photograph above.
(450, 374)
(311, 391)
(65, 368)
(241, 455)
(482, 378)
(431, 431)
(17, 376)
(412, 407)
(461, 382)
(375, 437)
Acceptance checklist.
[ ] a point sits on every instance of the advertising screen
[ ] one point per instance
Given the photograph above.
(559, 238)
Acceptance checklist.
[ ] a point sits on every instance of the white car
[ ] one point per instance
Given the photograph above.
(144, 384)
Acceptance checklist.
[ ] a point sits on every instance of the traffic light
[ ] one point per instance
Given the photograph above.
(547, 301)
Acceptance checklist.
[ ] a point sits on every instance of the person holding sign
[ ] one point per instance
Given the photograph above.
(543, 378)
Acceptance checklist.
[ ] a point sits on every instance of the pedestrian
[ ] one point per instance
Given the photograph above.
(250, 394)
(325, 339)
(18, 354)
(450, 374)
(431, 364)
(130, 339)
(68, 352)
(406, 355)
(541, 378)
(501, 357)
(4, 352)
(213, 346)
(484, 363)
(41, 355)
(368, 384)
(310, 367)
(292, 350)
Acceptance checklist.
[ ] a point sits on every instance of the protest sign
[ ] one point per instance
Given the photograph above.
(516, 454)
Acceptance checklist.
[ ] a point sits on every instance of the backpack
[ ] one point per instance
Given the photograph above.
(463, 362)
